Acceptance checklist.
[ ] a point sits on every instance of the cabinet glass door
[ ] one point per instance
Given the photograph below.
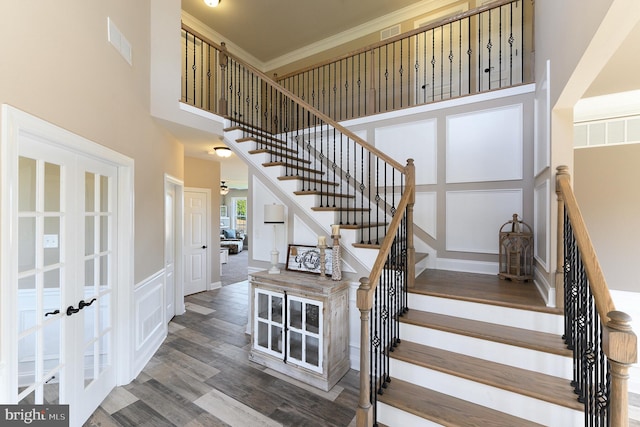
(268, 322)
(304, 332)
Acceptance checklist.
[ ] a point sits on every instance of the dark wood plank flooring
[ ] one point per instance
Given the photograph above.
(201, 376)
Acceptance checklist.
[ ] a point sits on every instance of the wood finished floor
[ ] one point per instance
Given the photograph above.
(201, 376)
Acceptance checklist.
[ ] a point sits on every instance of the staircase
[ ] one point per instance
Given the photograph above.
(479, 351)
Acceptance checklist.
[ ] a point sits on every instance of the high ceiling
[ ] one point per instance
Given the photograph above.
(268, 29)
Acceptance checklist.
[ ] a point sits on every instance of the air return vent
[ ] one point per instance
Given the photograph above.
(390, 32)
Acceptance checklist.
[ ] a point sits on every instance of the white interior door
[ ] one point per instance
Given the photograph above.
(66, 218)
(196, 229)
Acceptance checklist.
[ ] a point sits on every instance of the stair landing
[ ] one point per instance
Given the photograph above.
(481, 288)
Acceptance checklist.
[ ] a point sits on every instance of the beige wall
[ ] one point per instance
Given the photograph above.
(57, 65)
(201, 173)
(606, 186)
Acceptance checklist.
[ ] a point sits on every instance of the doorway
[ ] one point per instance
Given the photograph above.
(197, 231)
(174, 237)
(61, 282)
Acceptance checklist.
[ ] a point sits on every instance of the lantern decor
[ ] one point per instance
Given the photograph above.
(516, 251)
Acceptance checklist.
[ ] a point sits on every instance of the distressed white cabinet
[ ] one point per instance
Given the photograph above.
(300, 326)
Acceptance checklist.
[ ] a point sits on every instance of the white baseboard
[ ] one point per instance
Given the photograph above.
(215, 285)
(547, 292)
(467, 266)
(150, 326)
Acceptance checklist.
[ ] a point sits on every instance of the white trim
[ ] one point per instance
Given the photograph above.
(547, 292)
(543, 189)
(202, 113)
(178, 241)
(441, 105)
(14, 122)
(468, 266)
(149, 320)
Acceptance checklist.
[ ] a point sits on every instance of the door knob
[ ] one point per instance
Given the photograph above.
(204, 246)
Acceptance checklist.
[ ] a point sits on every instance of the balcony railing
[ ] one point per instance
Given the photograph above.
(476, 51)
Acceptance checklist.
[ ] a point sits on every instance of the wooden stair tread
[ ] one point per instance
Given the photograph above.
(282, 155)
(307, 179)
(481, 288)
(528, 383)
(367, 245)
(256, 132)
(322, 193)
(519, 337)
(363, 225)
(294, 167)
(444, 409)
(420, 256)
(273, 150)
(338, 209)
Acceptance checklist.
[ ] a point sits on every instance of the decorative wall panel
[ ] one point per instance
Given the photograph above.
(418, 141)
(541, 224)
(474, 218)
(485, 145)
(425, 212)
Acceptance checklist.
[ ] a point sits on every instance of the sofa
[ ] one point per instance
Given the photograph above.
(232, 240)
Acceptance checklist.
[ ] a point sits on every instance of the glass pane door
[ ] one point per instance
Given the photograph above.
(41, 272)
(269, 322)
(304, 332)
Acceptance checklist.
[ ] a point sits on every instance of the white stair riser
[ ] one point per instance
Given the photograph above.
(394, 417)
(505, 354)
(498, 399)
(525, 319)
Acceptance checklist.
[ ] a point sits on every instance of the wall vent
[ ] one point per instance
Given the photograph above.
(387, 33)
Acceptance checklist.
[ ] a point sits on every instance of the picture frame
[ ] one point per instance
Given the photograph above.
(306, 259)
(223, 211)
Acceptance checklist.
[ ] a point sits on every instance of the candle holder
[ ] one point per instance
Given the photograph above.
(323, 267)
(336, 272)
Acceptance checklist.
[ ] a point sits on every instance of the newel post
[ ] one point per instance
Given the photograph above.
(411, 250)
(620, 345)
(224, 62)
(371, 102)
(364, 301)
(562, 173)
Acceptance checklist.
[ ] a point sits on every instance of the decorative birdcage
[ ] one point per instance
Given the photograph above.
(516, 251)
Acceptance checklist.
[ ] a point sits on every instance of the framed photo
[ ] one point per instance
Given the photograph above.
(307, 259)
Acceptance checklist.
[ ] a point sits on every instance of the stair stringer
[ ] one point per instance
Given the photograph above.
(360, 259)
(364, 256)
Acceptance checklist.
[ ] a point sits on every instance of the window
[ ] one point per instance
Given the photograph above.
(239, 213)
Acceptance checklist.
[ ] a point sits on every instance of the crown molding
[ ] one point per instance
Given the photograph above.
(206, 31)
(362, 30)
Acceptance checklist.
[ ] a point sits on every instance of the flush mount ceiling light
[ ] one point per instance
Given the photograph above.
(224, 190)
(221, 151)
(212, 3)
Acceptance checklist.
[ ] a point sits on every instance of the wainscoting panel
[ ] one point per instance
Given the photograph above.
(149, 319)
(416, 141)
(485, 145)
(541, 224)
(474, 218)
(425, 212)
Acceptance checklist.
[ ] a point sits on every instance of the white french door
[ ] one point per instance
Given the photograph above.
(59, 296)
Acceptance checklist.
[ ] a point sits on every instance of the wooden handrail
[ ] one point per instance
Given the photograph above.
(597, 282)
(440, 23)
(619, 342)
(390, 161)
